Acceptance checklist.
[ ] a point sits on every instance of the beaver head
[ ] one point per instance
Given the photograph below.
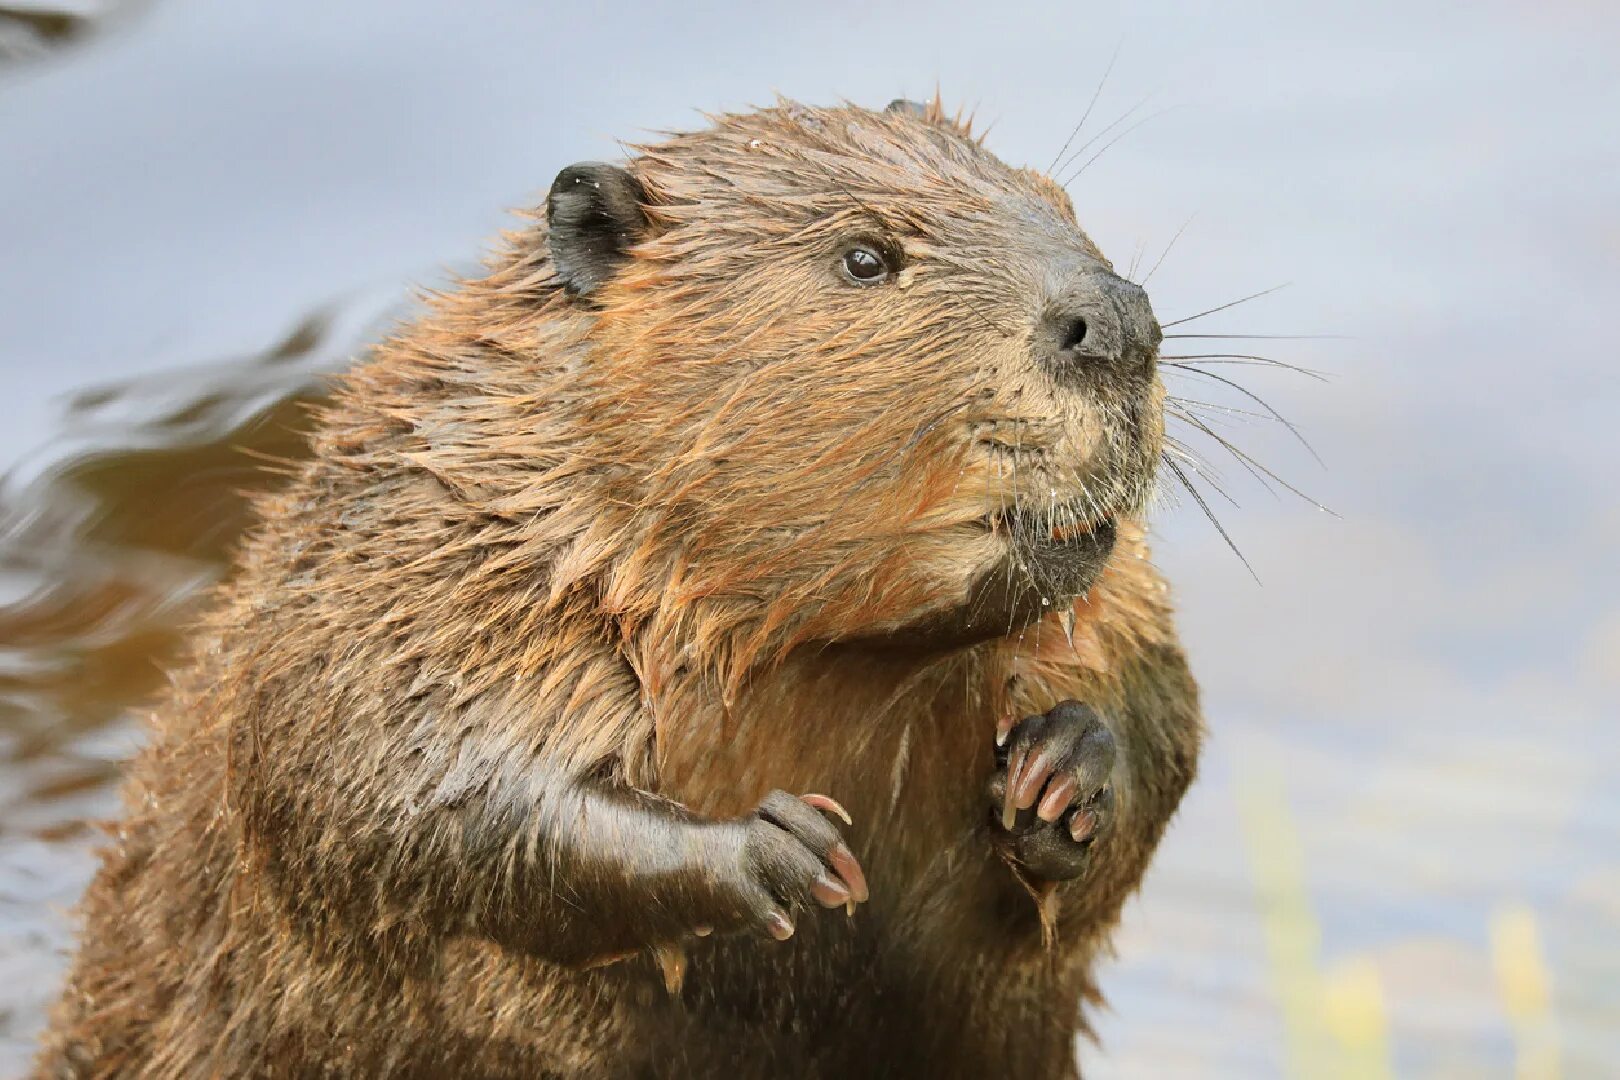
(855, 377)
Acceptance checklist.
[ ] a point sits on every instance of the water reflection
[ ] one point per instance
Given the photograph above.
(104, 557)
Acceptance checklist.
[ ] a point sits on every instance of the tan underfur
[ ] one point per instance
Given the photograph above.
(639, 540)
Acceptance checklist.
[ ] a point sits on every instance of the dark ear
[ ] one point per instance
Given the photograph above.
(594, 212)
(933, 112)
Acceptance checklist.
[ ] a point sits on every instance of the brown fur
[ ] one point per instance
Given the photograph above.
(638, 541)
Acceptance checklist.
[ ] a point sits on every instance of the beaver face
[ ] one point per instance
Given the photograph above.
(874, 381)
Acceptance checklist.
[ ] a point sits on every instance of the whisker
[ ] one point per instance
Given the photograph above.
(984, 318)
(1264, 404)
(1136, 257)
(1126, 115)
(1020, 542)
(923, 429)
(1203, 504)
(1203, 469)
(1248, 461)
(1252, 359)
(1160, 260)
(1095, 94)
(1256, 337)
(1216, 406)
(1223, 307)
(1199, 425)
(1105, 147)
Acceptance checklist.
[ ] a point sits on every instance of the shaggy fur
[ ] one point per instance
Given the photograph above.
(644, 542)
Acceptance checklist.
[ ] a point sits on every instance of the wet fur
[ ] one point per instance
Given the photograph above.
(639, 543)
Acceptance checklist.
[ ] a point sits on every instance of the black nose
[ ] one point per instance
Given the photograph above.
(1097, 322)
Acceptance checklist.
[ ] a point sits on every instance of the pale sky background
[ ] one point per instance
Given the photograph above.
(1429, 679)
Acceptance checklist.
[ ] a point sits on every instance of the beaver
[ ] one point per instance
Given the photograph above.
(760, 533)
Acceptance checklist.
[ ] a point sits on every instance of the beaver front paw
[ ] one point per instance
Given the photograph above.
(782, 857)
(1050, 796)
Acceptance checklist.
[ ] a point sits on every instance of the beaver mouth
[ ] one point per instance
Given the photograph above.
(1054, 553)
(1059, 525)
(1051, 556)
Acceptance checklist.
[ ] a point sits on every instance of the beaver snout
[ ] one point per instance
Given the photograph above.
(1097, 323)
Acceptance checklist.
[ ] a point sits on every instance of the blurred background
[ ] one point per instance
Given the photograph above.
(1403, 855)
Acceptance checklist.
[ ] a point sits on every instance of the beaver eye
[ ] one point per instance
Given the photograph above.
(864, 265)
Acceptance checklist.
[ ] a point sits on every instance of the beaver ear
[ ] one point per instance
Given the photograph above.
(594, 213)
(933, 113)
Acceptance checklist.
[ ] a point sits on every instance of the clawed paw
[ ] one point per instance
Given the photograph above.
(1050, 794)
(790, 855)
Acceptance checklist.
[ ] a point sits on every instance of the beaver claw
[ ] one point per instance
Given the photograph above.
(791, 854)
(1050, 795)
